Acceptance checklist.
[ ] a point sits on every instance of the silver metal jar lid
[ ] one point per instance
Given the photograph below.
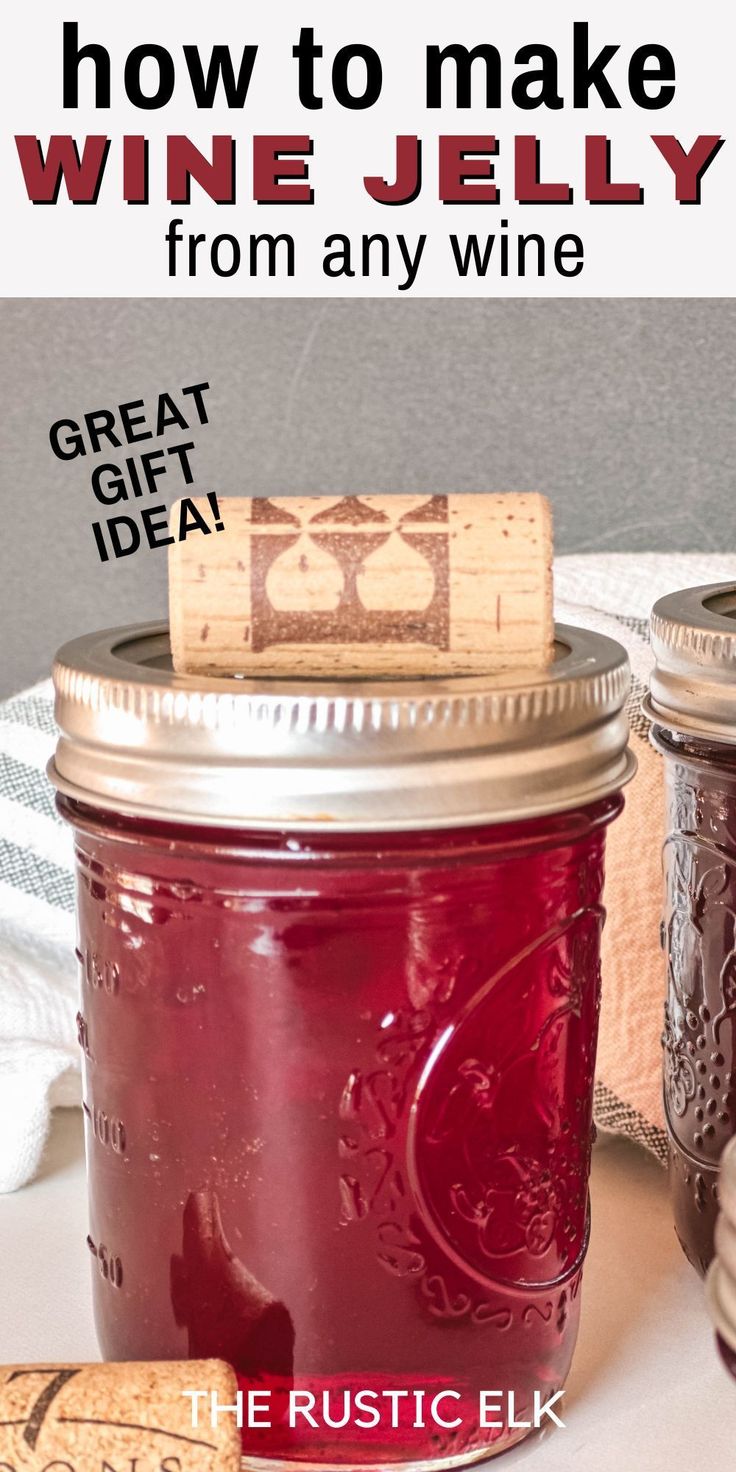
(721, 1281)
(355, 755)
(693, 684)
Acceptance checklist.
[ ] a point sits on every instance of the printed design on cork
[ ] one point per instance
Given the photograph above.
(328, 579)
(76, 1417)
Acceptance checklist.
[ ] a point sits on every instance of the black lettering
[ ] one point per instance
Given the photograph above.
(587, 73)
(115, 490)
(168, 414)
(337, 262)
(470, 254)
(547, 94)
(231, 267)
(99, 424)
(173, 238)
(463, 59)
(663, 73)
(306, 52)
(197, 391)
(100, 540)
(271, 243)
(73, 444)
(150, 470)
(382, 242)
(181, 451)
(166, 78)
(135, 479)
(128, 421)
(115, 526)
(373, 77)
(194, 243)
(569, 247)
(524, 241)
(155, 524)
(72, 54)
(411, 261)
(190, 520)
(220, 65)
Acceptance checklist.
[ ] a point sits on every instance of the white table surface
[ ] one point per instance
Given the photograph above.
(647, 1390)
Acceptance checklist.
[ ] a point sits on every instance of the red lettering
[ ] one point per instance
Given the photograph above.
(135, 169)
(276, 159)
(599, 188)
(461, 159)
(184, 162)
(688, 168)
(408, 182)
(529, 187)
(43, 176)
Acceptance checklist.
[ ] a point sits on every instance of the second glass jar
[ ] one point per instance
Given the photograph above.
(693, 706)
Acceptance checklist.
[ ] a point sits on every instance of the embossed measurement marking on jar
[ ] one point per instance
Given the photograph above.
(101, 976)
(108, 1130)
(110, 1267)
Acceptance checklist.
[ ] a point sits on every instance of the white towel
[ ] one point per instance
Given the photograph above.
(39, 1064)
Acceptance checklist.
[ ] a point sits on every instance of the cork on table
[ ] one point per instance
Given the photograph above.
(79, 1418)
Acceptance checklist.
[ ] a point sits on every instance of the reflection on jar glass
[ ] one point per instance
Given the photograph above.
(721, 1281)
(339, 1071)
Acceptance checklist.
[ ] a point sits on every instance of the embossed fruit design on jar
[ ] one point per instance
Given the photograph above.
(693, 708)
(339, 952)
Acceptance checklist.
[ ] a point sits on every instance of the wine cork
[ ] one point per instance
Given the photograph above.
(80, 1418)
(365, 585)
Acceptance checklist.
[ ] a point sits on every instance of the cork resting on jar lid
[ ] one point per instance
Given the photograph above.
(378, 754)
(693, 683)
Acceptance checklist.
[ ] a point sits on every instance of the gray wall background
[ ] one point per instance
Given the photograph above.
(621, 411)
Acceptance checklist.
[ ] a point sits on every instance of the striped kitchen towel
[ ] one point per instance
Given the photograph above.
(39, 1066)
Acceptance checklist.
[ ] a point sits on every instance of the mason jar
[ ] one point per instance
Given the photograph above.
(339, 961)
(693, 709)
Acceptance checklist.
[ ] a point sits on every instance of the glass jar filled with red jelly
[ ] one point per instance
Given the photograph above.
(339, 959)
(693, 709)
